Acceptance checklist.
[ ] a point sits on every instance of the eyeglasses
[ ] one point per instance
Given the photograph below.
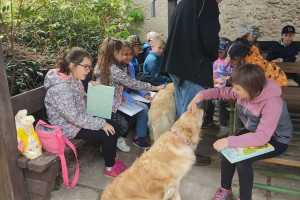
(86, 67)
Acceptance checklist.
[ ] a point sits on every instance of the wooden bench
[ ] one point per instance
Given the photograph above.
(291, 158)
(40, 173)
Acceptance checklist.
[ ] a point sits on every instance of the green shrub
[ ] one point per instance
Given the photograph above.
(47, 26)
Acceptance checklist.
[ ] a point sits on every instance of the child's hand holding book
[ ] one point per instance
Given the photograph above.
(221, 144)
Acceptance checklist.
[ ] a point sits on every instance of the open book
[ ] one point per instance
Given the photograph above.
(235, 155)
(139, 98)
(100, 100)
(130, 109)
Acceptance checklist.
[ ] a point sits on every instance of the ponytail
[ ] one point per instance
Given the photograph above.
(106, 58)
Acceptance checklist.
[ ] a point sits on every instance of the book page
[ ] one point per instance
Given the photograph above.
(100, 100)
(139, 98)
(130, 109)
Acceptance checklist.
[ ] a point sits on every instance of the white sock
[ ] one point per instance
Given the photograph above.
(108, 168)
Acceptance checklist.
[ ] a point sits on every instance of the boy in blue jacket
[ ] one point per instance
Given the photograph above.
(152, 64)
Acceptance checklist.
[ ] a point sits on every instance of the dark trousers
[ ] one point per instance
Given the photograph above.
(120, 123)
(245, 170)
(99, 137)
(224, 113)
(209, 109)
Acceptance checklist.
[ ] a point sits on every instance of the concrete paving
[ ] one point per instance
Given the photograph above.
(199, 184)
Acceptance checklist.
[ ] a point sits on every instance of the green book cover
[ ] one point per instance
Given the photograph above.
(100, 100)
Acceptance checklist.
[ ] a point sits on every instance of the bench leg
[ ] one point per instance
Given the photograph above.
(268, 193)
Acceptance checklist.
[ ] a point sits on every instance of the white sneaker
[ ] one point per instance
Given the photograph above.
(122, 145)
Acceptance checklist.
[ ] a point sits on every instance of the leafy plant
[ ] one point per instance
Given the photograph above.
(47, 26)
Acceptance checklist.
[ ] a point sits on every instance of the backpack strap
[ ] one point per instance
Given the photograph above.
(64, 167)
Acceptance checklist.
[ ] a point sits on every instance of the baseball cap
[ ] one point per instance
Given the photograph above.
(224, 44)
(134, 40)
(288, 29)
(250, 29)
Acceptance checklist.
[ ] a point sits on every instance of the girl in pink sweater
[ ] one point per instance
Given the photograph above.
(265, 118)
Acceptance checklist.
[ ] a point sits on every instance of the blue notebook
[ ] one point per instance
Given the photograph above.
(100, 100)
(234, 155)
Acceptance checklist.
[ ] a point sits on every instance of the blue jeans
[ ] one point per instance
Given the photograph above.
(185, 91)
(142, 121)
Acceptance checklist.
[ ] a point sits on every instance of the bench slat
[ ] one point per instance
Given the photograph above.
(290, 67)
(292, 96)
(32, 100)
(283, 162)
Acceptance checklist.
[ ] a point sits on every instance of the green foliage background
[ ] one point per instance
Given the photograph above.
(34, 31)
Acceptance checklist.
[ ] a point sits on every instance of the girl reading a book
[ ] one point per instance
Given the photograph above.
(265, 117)
(65, 102)
(110, 71)
(141, 125)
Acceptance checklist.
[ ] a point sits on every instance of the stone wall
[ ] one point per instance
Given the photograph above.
(269, 15)
(159, 23)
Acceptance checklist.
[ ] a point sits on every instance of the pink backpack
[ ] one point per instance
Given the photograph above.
(54, 141)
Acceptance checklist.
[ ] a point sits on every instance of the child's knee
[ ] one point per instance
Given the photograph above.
(245, 165)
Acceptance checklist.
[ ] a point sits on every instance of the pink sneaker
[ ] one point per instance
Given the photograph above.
(121, 165)
(116, 170)
(223, 194)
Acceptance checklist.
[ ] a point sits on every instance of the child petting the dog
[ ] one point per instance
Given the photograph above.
(265, 117)
(109, 71)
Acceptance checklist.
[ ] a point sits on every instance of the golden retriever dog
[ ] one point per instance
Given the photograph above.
(157, 174)
(162, 112)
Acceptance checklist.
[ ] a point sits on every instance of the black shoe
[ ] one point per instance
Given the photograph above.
(141, 142)
(202, 160)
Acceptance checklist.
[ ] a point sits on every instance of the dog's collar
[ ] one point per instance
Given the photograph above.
(181, 138)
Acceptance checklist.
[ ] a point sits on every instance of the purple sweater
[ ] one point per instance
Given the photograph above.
(265, 116)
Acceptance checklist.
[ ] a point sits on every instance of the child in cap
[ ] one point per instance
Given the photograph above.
(251, 33)
(285, 50)
(137, 59)
(221, 73)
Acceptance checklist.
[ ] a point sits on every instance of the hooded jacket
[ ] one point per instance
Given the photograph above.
(193, 41)
(65, 103)
(266, 116)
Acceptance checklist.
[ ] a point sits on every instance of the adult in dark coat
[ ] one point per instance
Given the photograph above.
(193, 41)
(191, 48)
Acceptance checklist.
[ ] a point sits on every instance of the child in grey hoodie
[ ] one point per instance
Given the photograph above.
(65, 103)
